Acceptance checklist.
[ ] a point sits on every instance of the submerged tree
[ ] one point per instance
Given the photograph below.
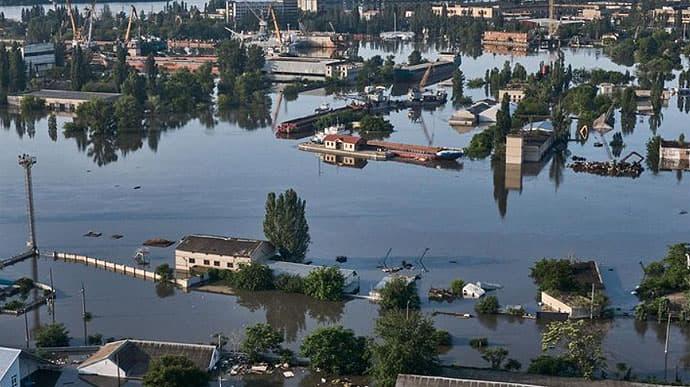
(175, 371)
(580, 341)
(285, 225)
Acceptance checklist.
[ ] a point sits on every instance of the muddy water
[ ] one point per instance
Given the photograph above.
(211, 176)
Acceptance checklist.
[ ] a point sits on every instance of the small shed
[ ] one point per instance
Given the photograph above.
(472, 291)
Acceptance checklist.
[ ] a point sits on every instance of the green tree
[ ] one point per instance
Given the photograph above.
(554, 274)
(285, 225)
(52, 126)
(95, 115)
(406, 346)
(120, 70)
(254, 277)
(165, 273)
(580, 341)
(456, 287)
(135, 86)
(336, 350)
(458, 84)
(487, 305)
(373, 123)
(80, 72)
(398, 294)
(17, 69)
(128, 113)
(325, 283)
(174, 371)
(260, 339)
(52, 335)
(495, 356)
(150, 67)
(255, 58)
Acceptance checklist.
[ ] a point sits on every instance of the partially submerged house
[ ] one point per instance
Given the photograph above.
(472, 290)
(131, 358)
(530, 143)
(18, 366)
(572, 304)
(218, 252)
(674, 155)
(375, 294)
(482, 111)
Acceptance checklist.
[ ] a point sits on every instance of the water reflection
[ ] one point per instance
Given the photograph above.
(288, 312)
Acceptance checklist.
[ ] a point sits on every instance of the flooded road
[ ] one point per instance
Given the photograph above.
(212, 176)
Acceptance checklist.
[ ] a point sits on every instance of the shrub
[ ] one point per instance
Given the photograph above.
(553, 366)
(487, 305)
(398, 294)
(479, 342)
(325, 283)
(456, 287)
(289, 283)
(261, 338)
(443, 338)
(336, 350)
(253, 276)
(52, 335)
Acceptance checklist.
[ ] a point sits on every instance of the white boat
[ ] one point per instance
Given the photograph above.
(449, 154)
(335, 129)
(323, 108)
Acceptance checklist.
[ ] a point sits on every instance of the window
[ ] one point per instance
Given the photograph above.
(207, 262)
(14, 381)
(229, 265)
(216, 263)
(192, 260)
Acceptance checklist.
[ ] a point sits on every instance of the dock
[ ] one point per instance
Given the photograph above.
(362, 154)
(17, 258)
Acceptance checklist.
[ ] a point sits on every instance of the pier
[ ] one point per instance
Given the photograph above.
(132, 271)
(362, 154)
(16, 259)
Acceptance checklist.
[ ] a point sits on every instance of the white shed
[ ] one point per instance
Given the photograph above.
(472, 291)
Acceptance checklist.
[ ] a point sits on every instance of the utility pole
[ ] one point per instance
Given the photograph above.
(53, 296)
(26, 327)
(83, 311)
(668, 325)
(591, 305)
(27, 162)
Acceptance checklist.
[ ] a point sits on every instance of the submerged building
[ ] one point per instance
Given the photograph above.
(218, 252)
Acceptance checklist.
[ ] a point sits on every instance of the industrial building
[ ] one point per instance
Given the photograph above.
(351, 277)
(307, 68)
(131, 358)
(674, 155)
(218, 252)
(515, 92)
(287, 10)
(530, 143)
(478, 11)
(507, 39)
(63, 100)
(39, 57)
(318, 5)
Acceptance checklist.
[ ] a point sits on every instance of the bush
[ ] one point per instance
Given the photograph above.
(553, 366)
(398, 294)
(175, 371)
(30, 104)
(165, 273)
(325, 283)
(371, 123)
(253, 276)
(52, 335)
(336, 350)
(475, 83)
(443, 338)
(259, 339)
(14, 305)
(554, 275)
(456, 287)
(289, 283)
(512, 365)
(481, 144)
(479, 342)
(487, 305)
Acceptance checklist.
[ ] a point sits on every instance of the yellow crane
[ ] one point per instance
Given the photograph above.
(132, 15)
(275, 25)
(76, 35)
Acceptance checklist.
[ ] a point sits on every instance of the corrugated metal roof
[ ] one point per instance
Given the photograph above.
(212, 244)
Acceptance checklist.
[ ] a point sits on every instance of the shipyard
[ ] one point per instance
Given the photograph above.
(321, 193)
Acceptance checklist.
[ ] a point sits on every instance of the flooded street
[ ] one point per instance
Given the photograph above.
(212, 176)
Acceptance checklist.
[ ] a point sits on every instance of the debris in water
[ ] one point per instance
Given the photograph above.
(93, 234)
(158, 242)
(289, 374)
(137, 187)
(341, 259)
(117, 236)
(683, 212)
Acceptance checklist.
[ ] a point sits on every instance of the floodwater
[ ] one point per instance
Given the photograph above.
(211, 176)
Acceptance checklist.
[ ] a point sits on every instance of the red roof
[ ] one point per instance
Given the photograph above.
(343, 138)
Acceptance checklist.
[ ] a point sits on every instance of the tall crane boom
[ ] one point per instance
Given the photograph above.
(76, 36)
(425, 77)
(132, 15)
(275, 25)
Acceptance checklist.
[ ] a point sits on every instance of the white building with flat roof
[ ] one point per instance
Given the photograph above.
(218, 252)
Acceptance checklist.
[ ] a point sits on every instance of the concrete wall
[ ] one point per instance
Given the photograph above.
(514, 149)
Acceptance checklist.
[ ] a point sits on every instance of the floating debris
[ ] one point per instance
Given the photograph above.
(440, 294)
(341, 259)
(140, 257)
(93, 234)
(158, 242)
(117, 236)
(465, 316)
(611, 168)
(289, 374)
(683, 212)
(137, 187)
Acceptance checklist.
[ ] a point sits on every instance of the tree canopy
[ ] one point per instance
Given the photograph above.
(336, 350)
(174, 371)
(285, 225)
(260, 339)
(52, 335)
(325, 283)
(398, 294)
(579, 341)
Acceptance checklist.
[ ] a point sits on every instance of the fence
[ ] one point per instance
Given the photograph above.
(120, 268)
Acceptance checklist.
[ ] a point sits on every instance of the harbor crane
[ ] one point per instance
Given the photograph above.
(76, 35)
(279, 36)
(132, 15)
